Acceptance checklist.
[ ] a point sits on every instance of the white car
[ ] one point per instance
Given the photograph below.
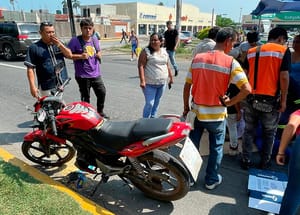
(185, 37)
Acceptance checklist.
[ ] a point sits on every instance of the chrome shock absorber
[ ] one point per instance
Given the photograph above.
(136, 164)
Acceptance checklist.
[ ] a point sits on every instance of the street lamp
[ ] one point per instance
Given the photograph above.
(240, 18)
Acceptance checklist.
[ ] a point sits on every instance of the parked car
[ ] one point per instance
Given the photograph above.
(16, 37)
(188, 33)
(185, 37)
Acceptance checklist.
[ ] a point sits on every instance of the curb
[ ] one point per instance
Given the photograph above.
(84, 202)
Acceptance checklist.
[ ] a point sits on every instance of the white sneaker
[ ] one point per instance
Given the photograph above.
(131, 59)
(213, 186)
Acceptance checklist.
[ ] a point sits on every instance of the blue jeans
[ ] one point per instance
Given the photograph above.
(172, 59)
(152, 94)
(269, 122)
(231, 123)
(291, 199)
(216, 132)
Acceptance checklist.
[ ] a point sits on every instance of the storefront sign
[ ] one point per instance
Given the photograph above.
(147, 16)
(264, 16)
(289, 16)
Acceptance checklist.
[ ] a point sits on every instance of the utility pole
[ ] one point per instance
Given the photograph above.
(240, 19)
(71, 17)
(212, 17)
(178, 15)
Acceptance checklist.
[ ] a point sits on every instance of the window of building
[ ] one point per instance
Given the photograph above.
(98, 11)
(161, 29)
(142, 29)
(86, 12)
(151, 29)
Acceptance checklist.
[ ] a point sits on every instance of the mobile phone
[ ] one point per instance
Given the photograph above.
(222, 100)
(170, 86)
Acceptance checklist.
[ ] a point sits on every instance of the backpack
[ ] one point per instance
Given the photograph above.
(97, 35)
(82, 43)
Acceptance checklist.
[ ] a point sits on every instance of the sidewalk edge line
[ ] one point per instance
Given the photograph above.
(84, 202)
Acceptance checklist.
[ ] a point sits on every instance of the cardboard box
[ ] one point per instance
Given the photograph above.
(266, 189)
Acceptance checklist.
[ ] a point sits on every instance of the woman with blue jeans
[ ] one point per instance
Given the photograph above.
(154, 72)
(291, 199)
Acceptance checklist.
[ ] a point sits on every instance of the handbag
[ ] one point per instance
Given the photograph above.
(262, 103)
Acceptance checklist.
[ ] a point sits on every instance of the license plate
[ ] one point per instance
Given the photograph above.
(191, 158)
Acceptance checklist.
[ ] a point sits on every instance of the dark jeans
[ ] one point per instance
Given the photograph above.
(269, 123)
(85, 85)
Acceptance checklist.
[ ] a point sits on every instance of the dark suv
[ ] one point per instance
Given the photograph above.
(16, 37)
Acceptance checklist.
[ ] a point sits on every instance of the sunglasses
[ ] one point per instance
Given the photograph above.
(43, 24)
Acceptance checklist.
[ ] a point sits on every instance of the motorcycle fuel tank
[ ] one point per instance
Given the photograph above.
(79, 115)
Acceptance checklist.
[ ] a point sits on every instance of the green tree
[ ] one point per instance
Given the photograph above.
(76, 5)
(224, 22)
(203, 33)
(160, 4)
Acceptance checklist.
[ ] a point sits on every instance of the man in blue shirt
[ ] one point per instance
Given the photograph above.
(45, 60)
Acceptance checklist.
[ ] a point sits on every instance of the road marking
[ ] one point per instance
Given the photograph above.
(8, 65)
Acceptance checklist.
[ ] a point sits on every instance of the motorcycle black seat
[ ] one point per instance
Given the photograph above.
(116, 135)
(147, 128)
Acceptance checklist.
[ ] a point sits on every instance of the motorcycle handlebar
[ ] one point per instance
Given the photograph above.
(53, 124)
(61, 88)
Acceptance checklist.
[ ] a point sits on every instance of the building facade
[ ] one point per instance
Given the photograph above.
(145, 18)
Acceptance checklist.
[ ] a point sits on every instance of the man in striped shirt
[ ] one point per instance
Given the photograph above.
(208, 80)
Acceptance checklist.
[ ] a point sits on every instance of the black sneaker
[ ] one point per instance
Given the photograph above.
(246, 164)
(104, 115)
(264, 165)
(176, 72)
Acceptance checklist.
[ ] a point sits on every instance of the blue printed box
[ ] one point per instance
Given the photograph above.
(266, 189)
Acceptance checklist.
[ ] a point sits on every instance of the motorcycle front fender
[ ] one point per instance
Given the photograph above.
(40, 136)
(34, 135)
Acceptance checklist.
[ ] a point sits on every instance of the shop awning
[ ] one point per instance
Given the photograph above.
(276, 6)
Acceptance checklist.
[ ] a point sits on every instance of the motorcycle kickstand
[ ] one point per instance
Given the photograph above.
(104, 179)
(126, 183)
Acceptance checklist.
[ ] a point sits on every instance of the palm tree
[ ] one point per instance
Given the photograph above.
(76, 4)
(65, 6)
(12, 2)
(64, 3)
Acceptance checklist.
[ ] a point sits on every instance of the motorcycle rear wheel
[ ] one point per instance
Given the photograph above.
(50, 155)
(164, 178)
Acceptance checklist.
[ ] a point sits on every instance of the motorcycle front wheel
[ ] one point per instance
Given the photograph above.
(163, 177)
(48, 155)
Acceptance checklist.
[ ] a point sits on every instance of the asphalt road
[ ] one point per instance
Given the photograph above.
(124, 102)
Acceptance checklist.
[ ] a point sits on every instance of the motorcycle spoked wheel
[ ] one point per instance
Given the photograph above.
(166, 178)
(50, 155)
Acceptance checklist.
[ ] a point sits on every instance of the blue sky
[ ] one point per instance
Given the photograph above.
(230, 7)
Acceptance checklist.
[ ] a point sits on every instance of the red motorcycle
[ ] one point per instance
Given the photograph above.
(128, 149)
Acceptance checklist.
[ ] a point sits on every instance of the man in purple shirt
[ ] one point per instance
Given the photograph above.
(86, 55)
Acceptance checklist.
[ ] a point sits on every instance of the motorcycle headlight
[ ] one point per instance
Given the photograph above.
(41, 115)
